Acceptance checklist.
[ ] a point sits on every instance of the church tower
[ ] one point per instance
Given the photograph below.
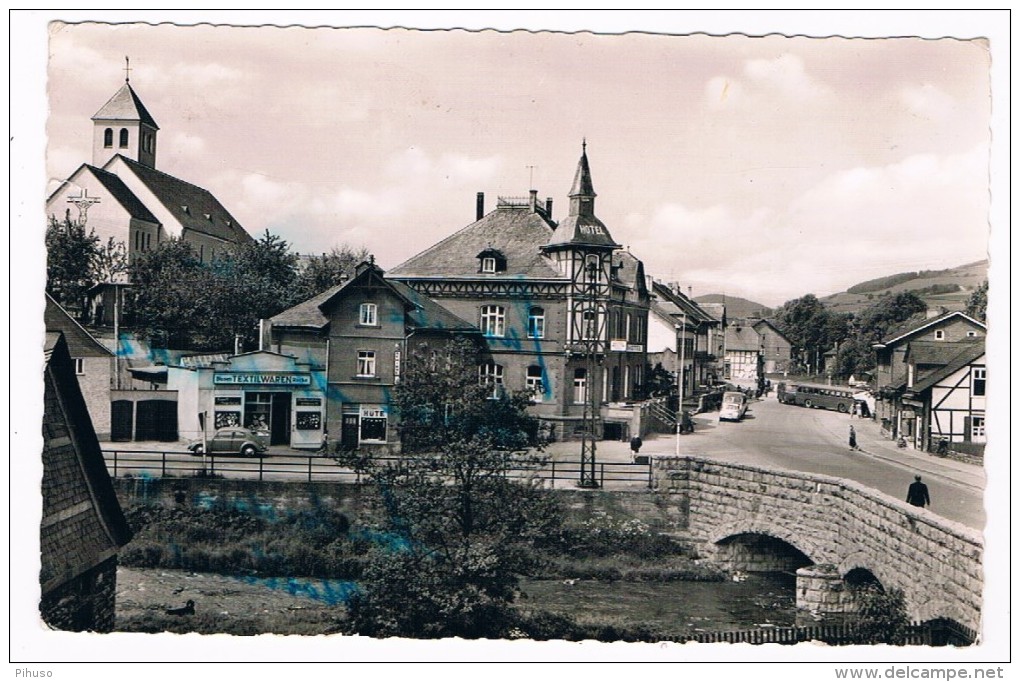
(124, 126)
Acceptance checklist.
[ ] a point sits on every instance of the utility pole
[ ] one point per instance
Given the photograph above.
(590, 339)
(681, 352)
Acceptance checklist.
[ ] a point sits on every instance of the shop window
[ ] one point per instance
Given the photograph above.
(491, 374)
(373, 425)
(108, 138)
(257, 410)
(366, 363)
(536, 323)
(533, 382)
(978, 381)
(369, 315)
(493, 320)
(580, 385)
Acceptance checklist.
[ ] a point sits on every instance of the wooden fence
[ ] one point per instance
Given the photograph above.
(938, 632)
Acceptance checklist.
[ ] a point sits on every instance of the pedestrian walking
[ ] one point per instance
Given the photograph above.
(853, 439)
(635, 445)
(917, 493)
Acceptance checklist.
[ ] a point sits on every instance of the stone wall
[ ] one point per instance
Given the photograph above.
(937, 563)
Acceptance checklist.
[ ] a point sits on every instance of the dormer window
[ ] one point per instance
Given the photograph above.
(491, 261)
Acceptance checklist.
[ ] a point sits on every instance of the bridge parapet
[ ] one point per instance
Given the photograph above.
(837, 522)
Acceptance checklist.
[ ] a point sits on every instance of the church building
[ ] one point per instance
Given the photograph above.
(122, 195)
(562, 306)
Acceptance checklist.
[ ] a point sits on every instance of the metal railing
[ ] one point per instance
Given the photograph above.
(939, 632)
(316, 467)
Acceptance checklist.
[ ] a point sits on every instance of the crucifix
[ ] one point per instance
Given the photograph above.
(83, 201)
(127, 70)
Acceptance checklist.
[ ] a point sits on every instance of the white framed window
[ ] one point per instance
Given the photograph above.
(977, 428)
(366, 363)
(589, 326)
(580, 385)
(971, 334)
(630, 329)
(978, 377)
(536, 323)
(626, 381)
(493, 320)
(533, 382)
(491, 374)
(79, 365)
(940, 334)
(489, 264)
(369, 314)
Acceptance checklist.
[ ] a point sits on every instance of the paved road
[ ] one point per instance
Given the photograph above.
(816, 441)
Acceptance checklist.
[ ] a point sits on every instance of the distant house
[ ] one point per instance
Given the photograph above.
(946, 388)
(925, 334)
(82, 525)
(674, 316)
(93, 364)
(743, 353)
(775, 347)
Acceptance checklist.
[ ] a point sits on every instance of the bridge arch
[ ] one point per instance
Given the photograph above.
(814, 551)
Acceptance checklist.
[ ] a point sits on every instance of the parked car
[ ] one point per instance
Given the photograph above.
(231, 440)
(734, 406)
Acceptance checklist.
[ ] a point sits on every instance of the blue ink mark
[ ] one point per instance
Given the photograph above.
(331, 592)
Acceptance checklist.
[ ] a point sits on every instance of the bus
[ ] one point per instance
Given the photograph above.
(839, 398)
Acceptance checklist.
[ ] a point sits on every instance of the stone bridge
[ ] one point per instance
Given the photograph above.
(833, 532)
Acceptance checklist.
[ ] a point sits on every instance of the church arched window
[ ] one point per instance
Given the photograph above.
(123, 137)
(108, 137)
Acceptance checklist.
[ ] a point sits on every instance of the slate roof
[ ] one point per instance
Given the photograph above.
(125, 105)
(936, 352)
(516, 231)
(424, 313)
(964, 356)
(743, 337)
(677, 304)
(773, 325)
(581, 227)
(82, 522)
(80, 343)
(919, 321)
(193, 207)
(124, 196)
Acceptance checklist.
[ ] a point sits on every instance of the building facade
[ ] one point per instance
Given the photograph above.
(776, 349)
(354, 340)
(674, 319)
(891, 366)
(562, 307)
(743, 362)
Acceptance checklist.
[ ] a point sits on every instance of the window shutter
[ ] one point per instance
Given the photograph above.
(966, 429)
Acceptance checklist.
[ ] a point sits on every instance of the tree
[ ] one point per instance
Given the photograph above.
(880, 616)
(977, 304)
(466, 526)
(660, 382)
(325, 271)
(71, 258)
(805, 322)
(878, 319)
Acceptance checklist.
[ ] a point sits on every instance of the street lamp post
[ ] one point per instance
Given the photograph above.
(680, 342)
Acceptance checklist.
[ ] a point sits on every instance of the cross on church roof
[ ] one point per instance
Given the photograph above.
(83, 201)
(127, 70)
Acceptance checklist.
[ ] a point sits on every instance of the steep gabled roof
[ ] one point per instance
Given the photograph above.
(677, 303)
(516, 231)
(743, 337)
(967, 355)
(125, 105)
(767, 322)
(193, 207)
(80, 343)
(422, 312)
(920, 322)
(115, 186)
(937, 352)
(82, 522)
(581, 227)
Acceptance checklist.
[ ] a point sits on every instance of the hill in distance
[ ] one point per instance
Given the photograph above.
(949, 288)
(735, 306)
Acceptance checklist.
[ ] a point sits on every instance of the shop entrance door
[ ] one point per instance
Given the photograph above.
(279, 427)
(349, 432)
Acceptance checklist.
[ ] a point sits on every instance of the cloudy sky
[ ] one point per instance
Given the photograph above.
(763, 167)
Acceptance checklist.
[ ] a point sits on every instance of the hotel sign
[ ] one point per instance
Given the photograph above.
(261, 378)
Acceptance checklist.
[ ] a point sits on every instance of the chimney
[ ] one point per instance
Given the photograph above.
(690, 291)
(548, 207)
(479, 205)
(532, 200)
